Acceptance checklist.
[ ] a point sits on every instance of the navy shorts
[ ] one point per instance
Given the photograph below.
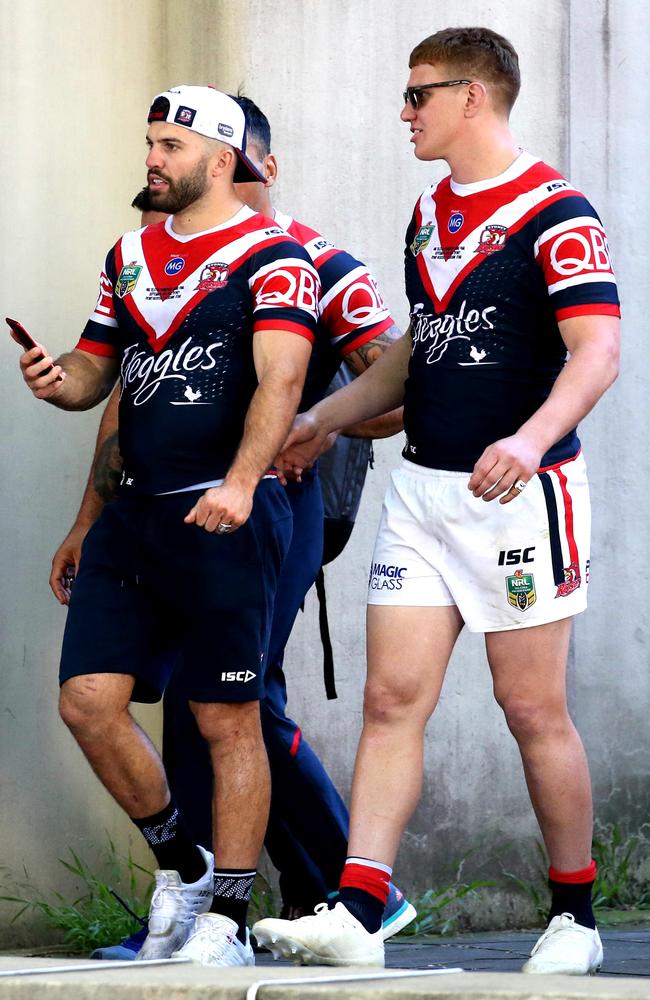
(155, 594)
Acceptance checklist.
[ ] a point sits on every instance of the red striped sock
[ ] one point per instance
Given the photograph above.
(587, 874)
(369, 876)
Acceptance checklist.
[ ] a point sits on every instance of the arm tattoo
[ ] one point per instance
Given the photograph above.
(108, 469)
(369, 352)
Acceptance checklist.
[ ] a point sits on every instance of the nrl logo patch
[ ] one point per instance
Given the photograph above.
(422, 238)
(520, 589)
(128, 279)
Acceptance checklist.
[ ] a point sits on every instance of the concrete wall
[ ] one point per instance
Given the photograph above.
(77, 80)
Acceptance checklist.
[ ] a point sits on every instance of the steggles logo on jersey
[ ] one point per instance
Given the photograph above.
(492, 239)
(520, 589)
(143, 372)
(213, 276)
(422, 238)
(441, 330)
(386, 577)
(572, 581)
(456, 220)
(127, 279)
(174, 266)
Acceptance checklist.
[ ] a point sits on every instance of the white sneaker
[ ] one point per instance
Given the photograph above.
(214, 941)
(330, 937)
(566, 947)
(174, 905)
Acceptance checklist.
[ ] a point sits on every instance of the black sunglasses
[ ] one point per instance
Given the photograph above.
(412, 94)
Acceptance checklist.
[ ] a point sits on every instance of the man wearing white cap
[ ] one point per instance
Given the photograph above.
(210, 318)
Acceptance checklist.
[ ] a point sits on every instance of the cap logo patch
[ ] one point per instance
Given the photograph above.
(185, 116)
(226, 130)
(159, 110)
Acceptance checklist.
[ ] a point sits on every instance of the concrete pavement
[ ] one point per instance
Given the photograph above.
(486, 958)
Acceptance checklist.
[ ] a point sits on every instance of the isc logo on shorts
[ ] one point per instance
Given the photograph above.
(238, 675)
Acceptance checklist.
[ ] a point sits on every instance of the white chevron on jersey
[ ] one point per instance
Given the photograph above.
(445, 275)
(160, 318)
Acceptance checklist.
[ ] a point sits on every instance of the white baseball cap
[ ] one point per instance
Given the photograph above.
(211, 113)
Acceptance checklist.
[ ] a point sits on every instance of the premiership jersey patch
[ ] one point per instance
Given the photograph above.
(127, 279)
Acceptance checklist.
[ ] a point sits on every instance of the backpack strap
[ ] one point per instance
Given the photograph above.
(328, 657)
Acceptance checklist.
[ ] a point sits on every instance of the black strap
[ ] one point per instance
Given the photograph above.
(328, 658)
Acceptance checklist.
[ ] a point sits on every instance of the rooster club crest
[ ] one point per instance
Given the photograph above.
(493, 239)
(572, 581)
(128, 279)
(213, 276)
(520, 589)
(422, 238)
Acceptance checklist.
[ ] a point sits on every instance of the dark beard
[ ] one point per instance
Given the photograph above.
(180, 194)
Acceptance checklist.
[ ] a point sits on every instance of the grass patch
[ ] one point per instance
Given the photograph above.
(95, 917)
(438, 909)
(619, 885)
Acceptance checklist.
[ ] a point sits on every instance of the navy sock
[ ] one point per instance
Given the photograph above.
(368, 910)
(574, 898)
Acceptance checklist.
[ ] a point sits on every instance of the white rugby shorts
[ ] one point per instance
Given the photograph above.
(504, 566)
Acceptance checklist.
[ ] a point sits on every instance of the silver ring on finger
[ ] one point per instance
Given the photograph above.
(223, 528)
(518, 487)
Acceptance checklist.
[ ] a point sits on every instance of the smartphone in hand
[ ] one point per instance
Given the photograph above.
(26, 340)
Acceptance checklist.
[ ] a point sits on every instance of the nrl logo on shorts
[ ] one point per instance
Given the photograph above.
(422, 238)
(213, 276)
(572, 581)
(493, 239)
(520, 589)
(128, 279)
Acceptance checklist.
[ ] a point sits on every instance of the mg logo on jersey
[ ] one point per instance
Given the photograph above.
(174, 266)
(213, 276)
(422, 238)
(492, 239)
(456, 220)
(127, 279)
(244, 676)
(580, 250)
(520, 590)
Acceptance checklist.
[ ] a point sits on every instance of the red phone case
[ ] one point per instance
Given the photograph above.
(26, 340)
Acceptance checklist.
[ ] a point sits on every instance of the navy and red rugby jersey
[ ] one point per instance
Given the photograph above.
(179, 312)
(491, 269)
(352, 311)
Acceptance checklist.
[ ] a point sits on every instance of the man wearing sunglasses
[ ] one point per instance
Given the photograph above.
(486, 523)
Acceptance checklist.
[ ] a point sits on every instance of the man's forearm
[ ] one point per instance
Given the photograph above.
(86, 382)
(586, 376)
(271, 411)
(106, 468)
(378, 427)
(379, 390)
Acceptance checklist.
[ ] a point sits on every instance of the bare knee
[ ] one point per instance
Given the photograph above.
(386, 703)
(226, 723)
(88, 708)
(531, 719)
